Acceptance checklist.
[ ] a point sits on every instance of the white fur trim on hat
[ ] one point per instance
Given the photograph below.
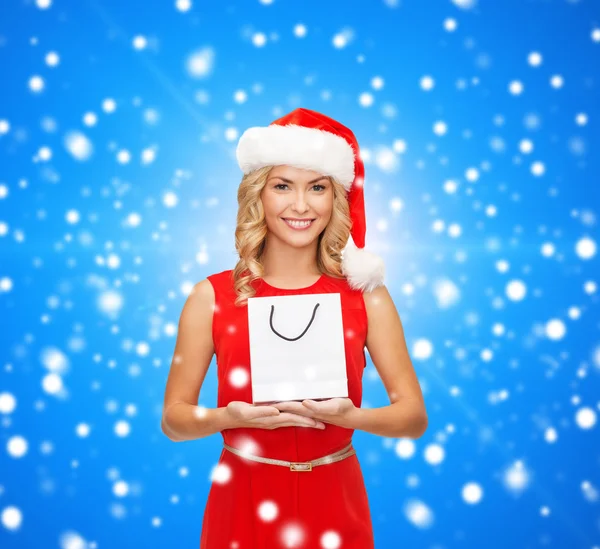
(297, 146)
(364, 270)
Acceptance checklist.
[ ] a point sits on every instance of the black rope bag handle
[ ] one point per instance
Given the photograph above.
(292, 338)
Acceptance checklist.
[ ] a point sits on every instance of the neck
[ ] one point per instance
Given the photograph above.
(284, 261)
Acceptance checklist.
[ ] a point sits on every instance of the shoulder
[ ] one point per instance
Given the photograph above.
(377, 295)
(201, 299)
(221, 282)
(203, 290)
(380, 306)
(201, 302)
(217, 287)
(220, 277)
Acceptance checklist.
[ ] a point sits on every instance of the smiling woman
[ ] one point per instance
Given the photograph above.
(293, 196)
(289, 469)
(296, 222)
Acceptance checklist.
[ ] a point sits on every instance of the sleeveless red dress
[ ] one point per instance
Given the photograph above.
(254, 505)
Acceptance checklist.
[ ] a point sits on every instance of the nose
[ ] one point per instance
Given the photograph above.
(300, 204)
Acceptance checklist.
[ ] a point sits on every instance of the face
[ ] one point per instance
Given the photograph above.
(297, 194)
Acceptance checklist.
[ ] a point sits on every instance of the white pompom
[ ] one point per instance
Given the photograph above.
(364, 270)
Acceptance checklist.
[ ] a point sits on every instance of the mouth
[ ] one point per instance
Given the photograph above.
(297, 225)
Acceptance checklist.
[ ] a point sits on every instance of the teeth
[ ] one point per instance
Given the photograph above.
(298, 224)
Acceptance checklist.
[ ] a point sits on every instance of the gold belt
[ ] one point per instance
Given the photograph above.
(297, 466)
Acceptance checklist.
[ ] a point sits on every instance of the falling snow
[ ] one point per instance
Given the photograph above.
(118, 189)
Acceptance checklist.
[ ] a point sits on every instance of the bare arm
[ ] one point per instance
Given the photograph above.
(182, 418)
(406, 415)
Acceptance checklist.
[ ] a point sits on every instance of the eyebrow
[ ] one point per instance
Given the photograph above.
(290, 181)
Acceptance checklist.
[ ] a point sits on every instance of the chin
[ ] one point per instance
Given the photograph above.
(297, 240)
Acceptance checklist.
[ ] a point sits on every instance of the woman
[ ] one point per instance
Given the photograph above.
(288, 475)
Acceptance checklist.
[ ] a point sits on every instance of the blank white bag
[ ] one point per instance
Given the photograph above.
(307, 359)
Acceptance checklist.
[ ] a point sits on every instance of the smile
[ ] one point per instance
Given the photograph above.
(298, 225)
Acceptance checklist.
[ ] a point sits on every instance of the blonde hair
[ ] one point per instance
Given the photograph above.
(251, 232)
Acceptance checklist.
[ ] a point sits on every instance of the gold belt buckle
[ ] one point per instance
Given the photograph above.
(301, 466)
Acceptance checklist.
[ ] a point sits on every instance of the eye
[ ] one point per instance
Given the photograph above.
(322, 187)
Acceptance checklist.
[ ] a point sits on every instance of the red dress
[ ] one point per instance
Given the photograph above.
(255, 505)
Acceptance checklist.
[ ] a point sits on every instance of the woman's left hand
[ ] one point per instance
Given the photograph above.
(338, 411)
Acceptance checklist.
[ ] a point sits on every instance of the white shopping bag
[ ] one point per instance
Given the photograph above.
(297, 347)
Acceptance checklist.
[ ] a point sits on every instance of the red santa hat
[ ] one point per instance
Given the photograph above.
(310, 140)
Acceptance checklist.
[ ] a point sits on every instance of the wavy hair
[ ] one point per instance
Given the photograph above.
(251, 233)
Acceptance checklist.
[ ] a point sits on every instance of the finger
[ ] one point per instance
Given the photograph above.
(300, 419)
(295, 407)
(295, 418)
(265, 411)
(285, 404)
(325, 407)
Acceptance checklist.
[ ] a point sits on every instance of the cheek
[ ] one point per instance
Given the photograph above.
(325, 209)
(273, 205)
(268, 206)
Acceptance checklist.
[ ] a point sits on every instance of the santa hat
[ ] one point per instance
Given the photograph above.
(310, 140)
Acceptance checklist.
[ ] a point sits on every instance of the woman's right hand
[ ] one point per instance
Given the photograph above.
(268, 417)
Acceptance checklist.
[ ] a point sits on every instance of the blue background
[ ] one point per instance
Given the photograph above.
(490, 413)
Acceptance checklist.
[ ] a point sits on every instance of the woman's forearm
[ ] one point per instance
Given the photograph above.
(183, 421)
(403, 418)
